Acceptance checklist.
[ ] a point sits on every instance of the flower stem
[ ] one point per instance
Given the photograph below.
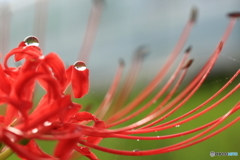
(7, 153)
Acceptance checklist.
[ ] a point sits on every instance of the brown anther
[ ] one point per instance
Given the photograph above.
(220, 45)
(234, 15)
(141, 52)
(188, 49)
(121, 62)
(194, 13)
(188, 64)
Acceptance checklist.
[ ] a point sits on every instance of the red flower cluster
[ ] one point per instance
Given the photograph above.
(55, 114)
(56, 117)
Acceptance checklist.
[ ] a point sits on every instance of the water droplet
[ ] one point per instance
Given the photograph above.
(80, 66)
(138, 140)
(136, 150)
(47, 123)
(158, 136)
(35, 130)
(177, 126)
(31, 41)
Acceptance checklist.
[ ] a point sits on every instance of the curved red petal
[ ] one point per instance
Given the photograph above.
(69, 112)
(86, 152)
(83, 116)
(80, 82)
(57, 66)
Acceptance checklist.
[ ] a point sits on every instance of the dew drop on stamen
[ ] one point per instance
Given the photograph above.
(177, 126)
(80, 66)
(31, 41)
(138, 140)
(136, 150)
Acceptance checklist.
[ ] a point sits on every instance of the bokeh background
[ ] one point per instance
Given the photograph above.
(124, 26)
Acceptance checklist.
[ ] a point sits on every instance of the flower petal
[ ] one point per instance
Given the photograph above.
(80, 82)
(57, 66)
(69, 112)
(86, 152)
(64, 148)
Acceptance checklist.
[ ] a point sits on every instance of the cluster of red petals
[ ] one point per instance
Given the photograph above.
(55, 114)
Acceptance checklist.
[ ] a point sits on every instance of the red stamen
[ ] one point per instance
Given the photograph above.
(131, 78)
(104, 106)
(159, 76)
(160, 93)
(91, 31)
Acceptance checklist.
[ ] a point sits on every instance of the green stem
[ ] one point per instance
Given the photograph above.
(1, 146)
(7, 153)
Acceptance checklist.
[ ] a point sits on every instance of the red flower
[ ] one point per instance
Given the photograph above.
(57, 118)
(54, 109)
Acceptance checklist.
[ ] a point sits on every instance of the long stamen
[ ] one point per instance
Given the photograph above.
(169, 95)
(161, 137)
(214, 56)
(131, 77)
(104, 106)
(172, 147)
(188, 119)
(200, 106)
(159, 94)
(184, 93)
(91, 31)
(40, 20)
(175, 87)
(204, 132)
(208, 136)
(162, 72)
(5, 21)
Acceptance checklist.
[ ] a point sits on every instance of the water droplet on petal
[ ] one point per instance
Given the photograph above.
(80, 65)
(35, 130)
(138, 140)
(177, 126)
(31, 41)
(47, 123)
(136, 150)
(158, 136)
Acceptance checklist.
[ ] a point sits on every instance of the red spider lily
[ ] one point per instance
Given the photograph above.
(56, 117)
